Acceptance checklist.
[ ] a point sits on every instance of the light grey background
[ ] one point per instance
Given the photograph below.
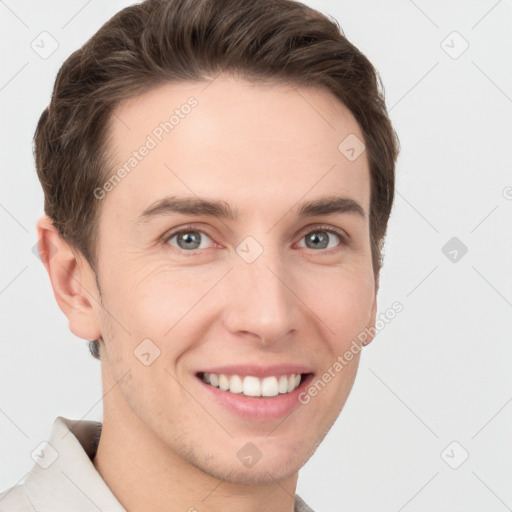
(438, 373)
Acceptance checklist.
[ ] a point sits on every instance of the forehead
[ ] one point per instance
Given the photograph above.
(249, 144)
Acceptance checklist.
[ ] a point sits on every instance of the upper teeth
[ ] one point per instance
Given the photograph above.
(254, 386)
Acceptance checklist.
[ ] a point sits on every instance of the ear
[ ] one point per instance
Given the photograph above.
(371, 330)
(72, 280)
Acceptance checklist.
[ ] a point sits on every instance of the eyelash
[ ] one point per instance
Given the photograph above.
(323, 228)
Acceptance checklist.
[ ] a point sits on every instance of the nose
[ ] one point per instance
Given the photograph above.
(261, 304)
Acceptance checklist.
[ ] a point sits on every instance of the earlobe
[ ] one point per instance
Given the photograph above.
(71, 278)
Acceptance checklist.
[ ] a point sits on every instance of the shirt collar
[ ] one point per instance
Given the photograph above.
(64, 477)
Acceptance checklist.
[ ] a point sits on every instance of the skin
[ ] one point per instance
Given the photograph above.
(262, 149)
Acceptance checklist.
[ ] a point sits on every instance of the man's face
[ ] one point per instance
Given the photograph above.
(266, 294)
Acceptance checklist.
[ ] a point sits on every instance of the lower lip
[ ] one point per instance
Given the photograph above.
(258, 408)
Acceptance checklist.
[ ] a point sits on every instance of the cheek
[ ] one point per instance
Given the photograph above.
(159, 305)
(343, 300)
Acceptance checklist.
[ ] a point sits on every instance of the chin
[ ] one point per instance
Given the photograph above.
(267, 467)
(257, 475)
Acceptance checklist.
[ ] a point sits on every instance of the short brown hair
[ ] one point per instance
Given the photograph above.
(160, 41)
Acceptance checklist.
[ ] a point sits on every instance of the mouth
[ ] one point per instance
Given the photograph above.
(253, 386)
(253, 392)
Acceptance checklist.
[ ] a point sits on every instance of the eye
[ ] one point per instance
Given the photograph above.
(189, 239)
(323, 238)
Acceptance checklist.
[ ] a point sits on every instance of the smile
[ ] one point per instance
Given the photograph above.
(251, 385)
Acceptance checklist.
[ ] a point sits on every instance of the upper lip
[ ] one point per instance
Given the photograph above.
(258, 371)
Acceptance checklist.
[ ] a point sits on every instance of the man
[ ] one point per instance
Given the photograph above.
(218, 178)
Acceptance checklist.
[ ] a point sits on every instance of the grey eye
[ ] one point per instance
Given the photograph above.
(189, 240)
(320, 239)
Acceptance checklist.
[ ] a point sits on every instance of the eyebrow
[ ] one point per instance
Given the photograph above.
(329, 205)
(218, 208)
